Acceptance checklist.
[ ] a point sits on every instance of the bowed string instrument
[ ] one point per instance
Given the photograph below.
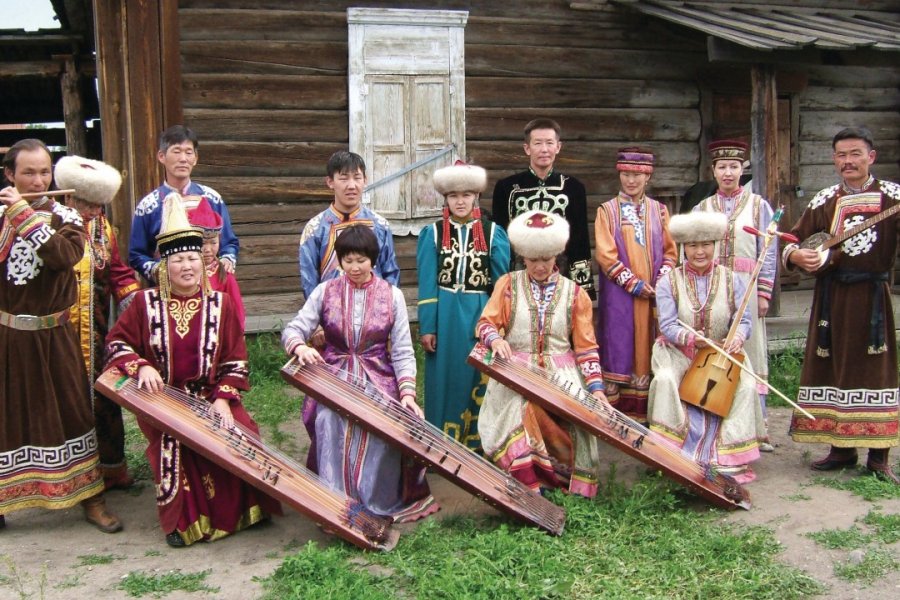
(712, 378)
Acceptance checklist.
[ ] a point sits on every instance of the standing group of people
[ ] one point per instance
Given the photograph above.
(519, 280)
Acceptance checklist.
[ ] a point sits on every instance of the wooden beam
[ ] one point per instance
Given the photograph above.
(170, 64)
(30, 68)
(73, 108)
(764, 140)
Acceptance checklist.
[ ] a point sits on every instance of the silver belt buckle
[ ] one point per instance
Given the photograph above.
(27, 322)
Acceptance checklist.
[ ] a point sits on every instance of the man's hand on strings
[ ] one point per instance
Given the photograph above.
(429, 342)
(502, 348)
(222, 408)
(805, 258)
(408, 401)
(149, 379)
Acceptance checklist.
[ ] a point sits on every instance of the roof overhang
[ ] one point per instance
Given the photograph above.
(774, 32)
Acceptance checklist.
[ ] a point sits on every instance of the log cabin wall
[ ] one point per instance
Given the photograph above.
(266, 90)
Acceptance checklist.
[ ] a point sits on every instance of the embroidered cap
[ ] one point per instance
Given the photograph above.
(93, 181)
(698, 226)
(204, 217)
(537, 234)
(638, 160)
(460, 177)
(728, 150)
(176, 233)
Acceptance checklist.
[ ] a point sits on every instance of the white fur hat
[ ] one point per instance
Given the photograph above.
(538, 234)
(699, 226)
(93, 181)
(460, 177)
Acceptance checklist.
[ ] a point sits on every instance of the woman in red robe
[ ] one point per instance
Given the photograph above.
(185, 335)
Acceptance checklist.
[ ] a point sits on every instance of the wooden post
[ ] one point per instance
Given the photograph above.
(73, 110)
(764, 147)
(140, 92)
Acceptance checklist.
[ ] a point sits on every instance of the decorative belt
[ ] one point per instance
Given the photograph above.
(32, 322)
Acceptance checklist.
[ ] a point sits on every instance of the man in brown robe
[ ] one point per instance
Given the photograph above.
(48, 447)
(849, 377)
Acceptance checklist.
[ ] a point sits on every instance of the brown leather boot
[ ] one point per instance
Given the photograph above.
(838, 458)
(95, 512)
(117, 478)
(880, 465)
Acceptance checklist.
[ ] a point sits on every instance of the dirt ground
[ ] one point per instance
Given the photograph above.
(44, 546)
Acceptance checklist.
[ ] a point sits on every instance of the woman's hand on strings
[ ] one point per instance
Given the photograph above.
(600, 395)
(150, 379)
(222, 408)
(408, 401)
(307, 355)
(501, 348)
(429, 342)
(736, 345)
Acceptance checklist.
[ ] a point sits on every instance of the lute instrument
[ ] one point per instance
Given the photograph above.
(573, 404)
(712, 380)
(823, 242)
(370, 408)
(241, 452)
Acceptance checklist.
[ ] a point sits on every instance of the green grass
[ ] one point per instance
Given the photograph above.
(876, 563)
(269, 400)
(628, 543)
(89, 560)
(841, 539)
(867, 486)
(784, 374)
(137, 584)
(887, 527)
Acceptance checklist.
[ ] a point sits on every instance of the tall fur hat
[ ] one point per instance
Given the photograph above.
(460, 177)
(699, 226)
(93, 181)
(538, 234)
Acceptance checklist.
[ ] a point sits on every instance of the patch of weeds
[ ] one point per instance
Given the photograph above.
(784, 373)
(138, 583)
(887, 527)
(876, 563)
(69, 582)
(270, 400)
(87, 560)
(841, 539)
(867, 486)
(292, 545)
(21, 582)
(798, 497)
(272, 554)
(153, 553)
(135, 444)
(325, 573)
(643, 542)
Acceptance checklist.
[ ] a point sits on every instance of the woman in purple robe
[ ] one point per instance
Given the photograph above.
(366, 338)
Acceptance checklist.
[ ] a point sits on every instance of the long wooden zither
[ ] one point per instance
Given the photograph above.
(239, 451)
(576, 406)
(367, 406)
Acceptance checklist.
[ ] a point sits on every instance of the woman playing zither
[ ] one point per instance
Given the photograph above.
(367, 336)
(188, 336)
(705, 295)
(540, 317)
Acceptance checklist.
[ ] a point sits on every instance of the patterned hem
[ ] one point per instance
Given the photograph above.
(202, 530)
(802, 437)
(417, 510)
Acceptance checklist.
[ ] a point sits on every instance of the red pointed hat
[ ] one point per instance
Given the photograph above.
(205, 218)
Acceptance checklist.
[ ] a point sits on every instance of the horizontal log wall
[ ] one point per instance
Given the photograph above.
(266, 90)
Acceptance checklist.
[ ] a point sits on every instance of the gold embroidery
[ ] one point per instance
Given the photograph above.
(182, 313)
(209, 486)
(228, 389)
